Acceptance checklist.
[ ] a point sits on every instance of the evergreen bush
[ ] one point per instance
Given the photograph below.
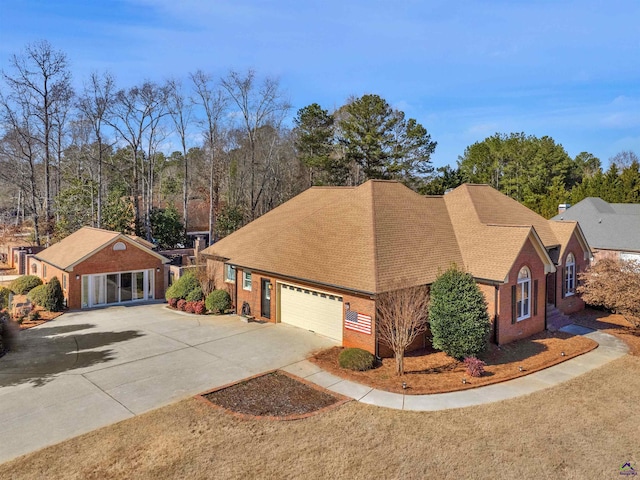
(458, 315)
(183, 286)
(218, 301)
(54, 298)
(356, 359)
(195, 295)
(4, 297)
(24, 284)
(37, 295)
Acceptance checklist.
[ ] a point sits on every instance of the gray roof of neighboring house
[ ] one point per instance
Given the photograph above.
(610, 226)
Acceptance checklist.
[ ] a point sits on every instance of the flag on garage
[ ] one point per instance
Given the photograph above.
(358, 322)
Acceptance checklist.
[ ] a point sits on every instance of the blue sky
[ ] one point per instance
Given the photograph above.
(465, 69)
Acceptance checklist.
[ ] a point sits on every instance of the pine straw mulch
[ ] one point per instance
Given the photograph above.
(612, 323)
(45, 316)
(275, 395)
(430, 371)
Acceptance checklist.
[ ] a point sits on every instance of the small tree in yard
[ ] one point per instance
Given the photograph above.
(614, 285)
(458, 315)
(402, 316)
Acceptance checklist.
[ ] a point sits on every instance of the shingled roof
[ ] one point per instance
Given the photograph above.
(382, 236)
(82, 243)
(609, 226)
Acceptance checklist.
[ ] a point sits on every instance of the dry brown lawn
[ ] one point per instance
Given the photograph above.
(430, 371)
(585, 428)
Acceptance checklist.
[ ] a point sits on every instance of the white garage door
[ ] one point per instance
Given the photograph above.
(313, 310)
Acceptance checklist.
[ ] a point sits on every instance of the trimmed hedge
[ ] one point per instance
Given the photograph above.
(4, 297)
(37, 295)
(183, 287)
(24, 284)
(218, 301)
(195, 295)
(356, 359)
(458, 315)
(54, 298)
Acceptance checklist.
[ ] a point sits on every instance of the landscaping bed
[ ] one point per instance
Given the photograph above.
(45, 316)
(430, 371)
(275, 394)
(611, 323)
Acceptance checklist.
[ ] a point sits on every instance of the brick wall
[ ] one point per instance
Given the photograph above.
(570, 303)
(508, 331)
(107, 260)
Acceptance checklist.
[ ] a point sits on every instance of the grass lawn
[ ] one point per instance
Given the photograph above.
(585, 428)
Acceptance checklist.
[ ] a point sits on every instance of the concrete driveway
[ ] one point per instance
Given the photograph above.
(89, 369)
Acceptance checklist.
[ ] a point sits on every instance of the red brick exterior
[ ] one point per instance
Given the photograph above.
(105, 260)
(570, 303)
(508, 330)
(360, 303)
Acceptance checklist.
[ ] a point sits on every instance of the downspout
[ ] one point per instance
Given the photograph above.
(546, 293)
(236, 289)
(495, 315)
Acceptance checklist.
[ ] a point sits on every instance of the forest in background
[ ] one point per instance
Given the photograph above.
(133, 158)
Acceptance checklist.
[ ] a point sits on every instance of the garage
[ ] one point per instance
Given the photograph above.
(320, 312)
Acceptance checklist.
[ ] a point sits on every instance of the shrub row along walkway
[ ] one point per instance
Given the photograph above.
(610, 348)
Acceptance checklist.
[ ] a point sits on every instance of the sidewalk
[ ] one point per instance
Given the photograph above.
(609, 348)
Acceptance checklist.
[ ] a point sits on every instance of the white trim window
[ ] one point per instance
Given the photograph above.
(246, 280)
(570, 275)
(523, 294)
(229, 273)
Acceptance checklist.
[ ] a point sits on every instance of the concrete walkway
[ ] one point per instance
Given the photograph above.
(610, 348)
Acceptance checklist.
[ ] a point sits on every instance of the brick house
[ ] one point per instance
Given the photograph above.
(319, 260)
(612, 229)
(99, 267)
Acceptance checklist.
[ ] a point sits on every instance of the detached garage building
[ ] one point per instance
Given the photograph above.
(320, 260)
(99, 267)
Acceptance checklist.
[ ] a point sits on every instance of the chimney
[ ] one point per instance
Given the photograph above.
(563, 207)
(198, 245)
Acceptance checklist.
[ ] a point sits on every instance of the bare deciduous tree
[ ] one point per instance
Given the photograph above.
(614, 285)
(402, 317)
(41, 84)
(93, 105)
(214, 104)
(259, 106)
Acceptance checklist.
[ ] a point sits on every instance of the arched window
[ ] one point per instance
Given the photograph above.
(570, 275)
(34, 268)
(119, 246)
(523, 294)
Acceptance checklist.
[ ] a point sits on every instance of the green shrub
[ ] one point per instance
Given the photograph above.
(54, 298)
(37, 295)
(218, 301)
(183, 286)
(195, 295)
(356, 359)
(24, 284)
(458, 315)
(4, 297)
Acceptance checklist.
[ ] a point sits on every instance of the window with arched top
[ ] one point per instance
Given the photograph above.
(523, 294)
(119, 246)
(570, 275)
(34, 268)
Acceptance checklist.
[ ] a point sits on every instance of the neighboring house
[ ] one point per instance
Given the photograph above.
(319, 260)
(99, 267)
(612, 229)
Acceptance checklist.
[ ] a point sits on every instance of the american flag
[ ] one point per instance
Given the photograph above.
(358, 322)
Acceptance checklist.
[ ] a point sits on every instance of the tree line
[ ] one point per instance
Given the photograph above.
(134, 158)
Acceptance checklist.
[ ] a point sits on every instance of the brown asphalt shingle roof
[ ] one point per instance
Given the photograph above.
(382, 236)
(81, 243)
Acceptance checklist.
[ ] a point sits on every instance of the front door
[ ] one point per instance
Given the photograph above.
(551, 288)
(266, 298)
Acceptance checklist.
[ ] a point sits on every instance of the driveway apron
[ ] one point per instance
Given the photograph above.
(89, 369)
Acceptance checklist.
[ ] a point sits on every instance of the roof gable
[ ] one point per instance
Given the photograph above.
(83, 243)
